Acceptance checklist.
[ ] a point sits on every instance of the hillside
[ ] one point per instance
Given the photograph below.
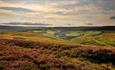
(34, 51)
(10, 28)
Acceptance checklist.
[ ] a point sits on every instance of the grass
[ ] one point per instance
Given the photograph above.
(73, 34)
(84, 37)
(34, 51)
(104, 39)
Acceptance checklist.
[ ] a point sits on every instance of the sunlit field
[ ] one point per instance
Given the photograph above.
(54, 49)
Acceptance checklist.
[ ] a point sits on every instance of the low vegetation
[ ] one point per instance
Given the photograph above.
(34, 51)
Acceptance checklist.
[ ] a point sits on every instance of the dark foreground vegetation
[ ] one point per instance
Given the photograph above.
(31, 51)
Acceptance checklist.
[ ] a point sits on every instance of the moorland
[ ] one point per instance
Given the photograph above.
(57, 49)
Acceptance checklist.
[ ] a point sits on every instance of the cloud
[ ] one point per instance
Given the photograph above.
(3, 14)
(107, 5)
(17, 9)
(38, 1)
(113, 17)
(24, 23)
(58, 11)
(10, 0)
(104, 4)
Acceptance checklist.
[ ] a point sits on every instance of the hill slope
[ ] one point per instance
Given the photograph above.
(33, 51)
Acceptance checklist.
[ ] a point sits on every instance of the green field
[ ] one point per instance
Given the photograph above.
(98, 38)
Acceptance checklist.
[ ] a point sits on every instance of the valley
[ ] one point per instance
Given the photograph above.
(57, 49)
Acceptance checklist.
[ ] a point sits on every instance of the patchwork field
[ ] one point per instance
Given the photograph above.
(57, 50)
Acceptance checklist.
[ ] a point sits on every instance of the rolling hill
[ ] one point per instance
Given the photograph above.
(34, 51)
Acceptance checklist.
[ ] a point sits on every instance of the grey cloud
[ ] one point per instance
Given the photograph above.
(34, 1)
(17, 9)
(113, 17)
(27, 23)
(104, 4)
(89, 23)
(66, 14)
(2, 14)
(63, 13)
(10, 0)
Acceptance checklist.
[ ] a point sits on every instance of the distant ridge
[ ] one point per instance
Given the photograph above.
(90, 28)
(4, 28)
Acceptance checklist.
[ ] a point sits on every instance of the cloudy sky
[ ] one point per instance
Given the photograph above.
(58, 12)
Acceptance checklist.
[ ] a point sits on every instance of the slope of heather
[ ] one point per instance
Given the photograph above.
(33, 51)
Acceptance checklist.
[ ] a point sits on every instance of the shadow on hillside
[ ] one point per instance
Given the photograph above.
(100, 56)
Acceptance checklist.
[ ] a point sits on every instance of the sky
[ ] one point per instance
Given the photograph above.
(58, 12)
